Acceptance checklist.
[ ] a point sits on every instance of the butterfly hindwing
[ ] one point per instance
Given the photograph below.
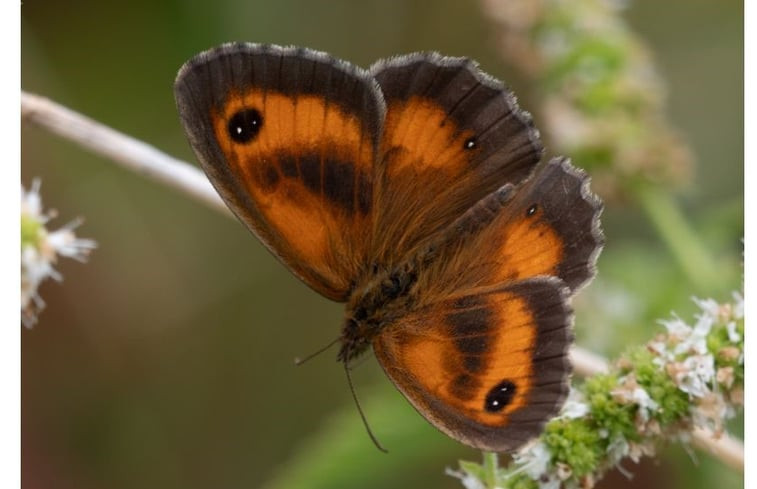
(289, 138)
(488, 368)
(452, 135)
(547, 226)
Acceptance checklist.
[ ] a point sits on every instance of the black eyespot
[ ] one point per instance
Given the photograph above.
(469, 143)
(499, 397)
(532, 210)
(245, 125)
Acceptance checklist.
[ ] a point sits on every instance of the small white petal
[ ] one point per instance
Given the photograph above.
(575, 406)
(468, 480)
(696, 375)
(31, 202)
(733, 335)
(533, 459)
(617, 450)
(738, 306)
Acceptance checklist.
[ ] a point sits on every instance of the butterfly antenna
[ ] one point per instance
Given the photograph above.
(360, 410)
(299, 361)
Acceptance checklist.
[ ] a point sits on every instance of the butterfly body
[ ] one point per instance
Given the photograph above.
(384, 297)
(412, 192)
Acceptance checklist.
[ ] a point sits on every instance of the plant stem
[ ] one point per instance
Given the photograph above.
(491, 466)
(681, 239)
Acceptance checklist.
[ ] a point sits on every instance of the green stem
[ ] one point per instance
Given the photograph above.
(681, 239)
(491, 466)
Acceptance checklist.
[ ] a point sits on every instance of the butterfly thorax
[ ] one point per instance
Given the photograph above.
(376, 302)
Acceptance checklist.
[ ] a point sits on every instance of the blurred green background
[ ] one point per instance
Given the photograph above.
(166, 361)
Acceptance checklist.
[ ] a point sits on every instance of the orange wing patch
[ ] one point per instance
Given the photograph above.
(308, 168)
(299, 124)
(528, 246)
(549, 227)
(423, 139)
(483, 361)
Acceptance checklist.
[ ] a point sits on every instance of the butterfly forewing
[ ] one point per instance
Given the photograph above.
(289, 138)
(452, 136)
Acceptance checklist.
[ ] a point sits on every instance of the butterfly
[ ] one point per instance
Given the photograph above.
(413, 192)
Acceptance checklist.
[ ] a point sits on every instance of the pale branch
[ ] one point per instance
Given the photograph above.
(153, 163)
(125, 150)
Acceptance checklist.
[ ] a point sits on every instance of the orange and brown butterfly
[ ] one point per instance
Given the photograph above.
(413, 192)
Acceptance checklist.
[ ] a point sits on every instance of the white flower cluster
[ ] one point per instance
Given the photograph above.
(534, 459)
(683, 354)
(40, 249)
(546, 40)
